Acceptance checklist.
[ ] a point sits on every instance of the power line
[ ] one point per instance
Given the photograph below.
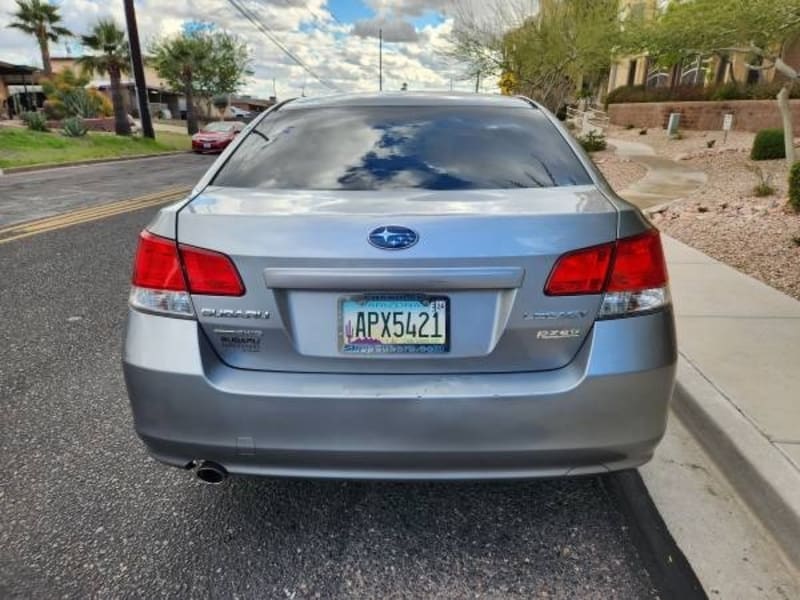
(258, 24)
(314, 13)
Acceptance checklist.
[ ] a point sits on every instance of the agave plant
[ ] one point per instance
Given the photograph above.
(35, 121)
(74, 127)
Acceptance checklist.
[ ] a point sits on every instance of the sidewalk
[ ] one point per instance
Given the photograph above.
(739, 383)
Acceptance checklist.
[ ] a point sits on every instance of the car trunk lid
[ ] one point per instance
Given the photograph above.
(487, 252)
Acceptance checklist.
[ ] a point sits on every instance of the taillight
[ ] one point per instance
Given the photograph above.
(165, 273)
(580, 272)
(631, 273)
(638, 264)
(210, 273)
(157, 264)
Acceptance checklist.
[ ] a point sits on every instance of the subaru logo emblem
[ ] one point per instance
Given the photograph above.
(393, 237)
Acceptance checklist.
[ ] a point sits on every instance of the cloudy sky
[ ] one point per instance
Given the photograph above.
(336, 39)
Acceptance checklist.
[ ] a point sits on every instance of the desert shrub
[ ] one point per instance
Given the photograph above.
(764, 187)
(35, 121)
(80, 103)
(104, 106)
(67, 94)
(639, 93)
(52, 111)
(593, 141)
(684, 93)
(768, 145)
(794, 186)
(74, 127)
(728, 91)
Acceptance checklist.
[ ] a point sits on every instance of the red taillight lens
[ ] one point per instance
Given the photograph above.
(628, 265)
(638, 264)
(157, 265)
(580, 272)
(210, 273)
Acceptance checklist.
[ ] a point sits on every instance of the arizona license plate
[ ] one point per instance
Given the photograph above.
(394, 324)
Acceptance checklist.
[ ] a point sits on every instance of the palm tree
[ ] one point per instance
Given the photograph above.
(111, 56)
(40, 20)
(178, 60)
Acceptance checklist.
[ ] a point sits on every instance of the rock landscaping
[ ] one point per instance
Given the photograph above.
(725, 218)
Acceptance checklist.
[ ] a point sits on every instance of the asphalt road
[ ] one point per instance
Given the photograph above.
(86, 513)
(26, 196)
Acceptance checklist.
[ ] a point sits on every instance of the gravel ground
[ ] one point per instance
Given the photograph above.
(724, 218)
(692, 142)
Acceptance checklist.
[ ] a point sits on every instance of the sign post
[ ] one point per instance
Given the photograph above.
(727, 125)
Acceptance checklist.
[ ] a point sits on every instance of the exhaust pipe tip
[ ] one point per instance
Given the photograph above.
(211, 473)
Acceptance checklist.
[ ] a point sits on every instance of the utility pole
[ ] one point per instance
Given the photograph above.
(478, 83)
(380, 60)
(138, 70)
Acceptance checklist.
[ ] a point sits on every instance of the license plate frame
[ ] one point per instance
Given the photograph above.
(206, 145)
(347, 347)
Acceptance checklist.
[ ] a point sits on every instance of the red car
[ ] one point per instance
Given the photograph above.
(216, 136)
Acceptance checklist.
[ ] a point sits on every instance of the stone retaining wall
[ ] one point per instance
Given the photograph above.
(749, 115)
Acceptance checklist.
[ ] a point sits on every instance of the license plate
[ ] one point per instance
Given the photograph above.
(394, 324)
(206, 145)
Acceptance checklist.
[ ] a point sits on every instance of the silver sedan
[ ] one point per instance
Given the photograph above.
(402, 286)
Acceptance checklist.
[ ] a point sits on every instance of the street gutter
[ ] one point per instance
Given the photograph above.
(756, 469)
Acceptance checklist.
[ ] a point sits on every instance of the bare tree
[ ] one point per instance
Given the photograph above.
(551, 48)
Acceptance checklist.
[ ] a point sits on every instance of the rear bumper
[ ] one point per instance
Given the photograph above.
(606, 411)
(213, 146)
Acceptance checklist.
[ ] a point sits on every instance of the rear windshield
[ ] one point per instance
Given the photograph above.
(397, 147)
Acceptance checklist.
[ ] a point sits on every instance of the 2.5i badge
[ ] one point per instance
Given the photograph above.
(244, 340)
(558, 334)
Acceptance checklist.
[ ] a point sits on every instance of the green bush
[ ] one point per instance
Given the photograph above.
(728, 91)
(794, 186)
(593, 142)
(74, 127)
(768, 145)
(35, 121)
(80, 103)
(684, 93)
(53, 111)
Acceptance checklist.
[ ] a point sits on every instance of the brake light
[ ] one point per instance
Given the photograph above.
(580, 272)
(165, 273)
(638, 264)
(631, 273)
(157, 264)
(210, 273)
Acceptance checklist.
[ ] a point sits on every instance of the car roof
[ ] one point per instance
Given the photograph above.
(408, 99)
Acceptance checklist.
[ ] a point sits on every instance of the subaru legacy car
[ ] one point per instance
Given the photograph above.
(401, 286)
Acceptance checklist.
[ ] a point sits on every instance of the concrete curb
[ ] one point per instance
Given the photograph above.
(91, 161)
(758, 471)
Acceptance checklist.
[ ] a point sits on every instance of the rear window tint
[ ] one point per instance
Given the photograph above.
(396, 147)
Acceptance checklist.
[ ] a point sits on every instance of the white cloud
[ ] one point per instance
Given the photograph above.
(336, 52)
(394, 30)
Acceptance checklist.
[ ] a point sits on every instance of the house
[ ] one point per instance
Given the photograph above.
(700, 71)
(19, 90)
(253, 105)
(161, 97)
